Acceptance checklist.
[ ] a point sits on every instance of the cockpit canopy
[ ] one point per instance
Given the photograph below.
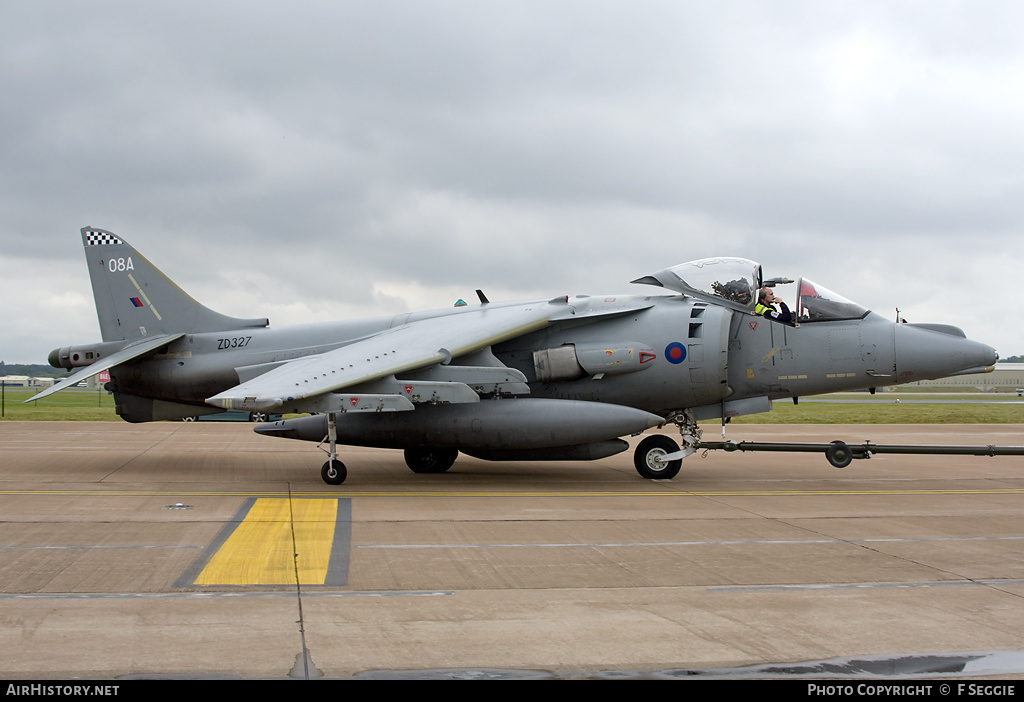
(735, 282)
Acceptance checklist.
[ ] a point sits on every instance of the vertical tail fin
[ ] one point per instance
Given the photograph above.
(134, 299)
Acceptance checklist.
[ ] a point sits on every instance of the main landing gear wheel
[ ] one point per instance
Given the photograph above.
(648, 458)
(430, 460)
(334, 472)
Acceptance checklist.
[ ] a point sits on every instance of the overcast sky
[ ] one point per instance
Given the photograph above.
(319, 160)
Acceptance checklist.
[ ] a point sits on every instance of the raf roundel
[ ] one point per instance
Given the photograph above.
(675, 352)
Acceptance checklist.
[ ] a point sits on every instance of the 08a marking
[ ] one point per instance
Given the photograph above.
(119, 265)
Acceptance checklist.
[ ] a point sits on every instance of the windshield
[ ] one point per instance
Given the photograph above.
(816, 303)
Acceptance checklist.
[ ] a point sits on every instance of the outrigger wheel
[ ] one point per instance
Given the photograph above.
(648, 458)
(334, 472)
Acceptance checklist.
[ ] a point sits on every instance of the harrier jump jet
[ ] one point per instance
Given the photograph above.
(557, 379)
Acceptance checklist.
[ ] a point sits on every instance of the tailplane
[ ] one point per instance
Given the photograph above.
(135, 300)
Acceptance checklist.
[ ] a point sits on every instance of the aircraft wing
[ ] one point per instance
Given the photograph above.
(412, 346)
(116, 358)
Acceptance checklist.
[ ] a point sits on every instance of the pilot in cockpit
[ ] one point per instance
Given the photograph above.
(766, 302)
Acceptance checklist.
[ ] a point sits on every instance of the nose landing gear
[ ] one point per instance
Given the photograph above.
(658, 457)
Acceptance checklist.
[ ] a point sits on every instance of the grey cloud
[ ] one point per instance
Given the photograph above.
(266, 153)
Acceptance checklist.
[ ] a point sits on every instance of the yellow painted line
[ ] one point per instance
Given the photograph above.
(262, 549)
(667, 492)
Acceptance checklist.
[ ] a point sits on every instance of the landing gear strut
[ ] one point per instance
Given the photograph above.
(334, 471)
(689, 430)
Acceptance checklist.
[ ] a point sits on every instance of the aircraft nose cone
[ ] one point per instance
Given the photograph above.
(990, 355)
(924, 353)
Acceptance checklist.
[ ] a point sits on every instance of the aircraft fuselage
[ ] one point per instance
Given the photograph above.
(696, 356)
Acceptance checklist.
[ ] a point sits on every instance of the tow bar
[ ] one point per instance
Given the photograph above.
(839, 453)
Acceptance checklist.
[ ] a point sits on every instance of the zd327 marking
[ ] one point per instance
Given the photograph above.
(237, 343)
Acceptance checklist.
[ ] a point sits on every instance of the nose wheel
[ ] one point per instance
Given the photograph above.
(649, 458)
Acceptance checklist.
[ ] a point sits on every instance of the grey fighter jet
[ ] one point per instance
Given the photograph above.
(557, 379)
